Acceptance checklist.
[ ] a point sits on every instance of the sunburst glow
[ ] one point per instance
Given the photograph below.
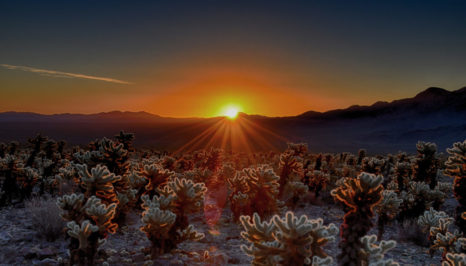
(231, 112)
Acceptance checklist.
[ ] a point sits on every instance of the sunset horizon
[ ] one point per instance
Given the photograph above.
(191, 58)
(224, 109)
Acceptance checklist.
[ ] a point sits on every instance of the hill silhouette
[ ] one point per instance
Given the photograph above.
(434, 114)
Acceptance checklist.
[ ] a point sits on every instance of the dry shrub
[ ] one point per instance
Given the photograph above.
(45, 217)
(410, 231)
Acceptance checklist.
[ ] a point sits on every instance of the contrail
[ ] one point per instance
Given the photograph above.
(61, 74)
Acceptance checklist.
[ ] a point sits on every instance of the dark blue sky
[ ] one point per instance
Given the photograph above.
(329, 54)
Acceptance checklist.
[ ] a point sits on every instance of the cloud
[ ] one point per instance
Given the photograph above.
(60, 74)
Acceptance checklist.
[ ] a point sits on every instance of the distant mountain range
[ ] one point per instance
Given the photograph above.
(434, 114)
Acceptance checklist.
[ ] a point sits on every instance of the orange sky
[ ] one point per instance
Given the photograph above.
(191, 58)
(191, 89)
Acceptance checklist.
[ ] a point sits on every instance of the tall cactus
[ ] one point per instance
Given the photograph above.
(456, 167)
(360, 195)
(387, 209)
(426, 166)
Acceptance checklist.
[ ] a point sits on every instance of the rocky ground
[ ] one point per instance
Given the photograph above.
(20, 245)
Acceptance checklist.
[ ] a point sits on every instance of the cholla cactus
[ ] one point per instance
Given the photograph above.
(10, 169)
(72, 206)
(198, 175)
(454, 259)
(189, 196)
(157, 224)
(82, 233)
(293, 191)
(361, 156)
(445, 240)
(430, 219)
(403, 173)
(387, 209)
(126, 139)
(228, 171)
(156, 177)
(36, 143)
(317, 181)
(165, 217)
(361, 195)
(212, 160)
(298, 149)
(126, 200)
(257, 188)
(444, 187)
(136, 180)
(27, 179)
(98, 182)
(417, 198)
(456, 167)
(97, 205)
(287, 241)
(114, 156)
(426, 166)
(90, 158)
(102, 215)
(89, 223)
(289, 165)
(126, 195)
(373, 254)
(372, 165)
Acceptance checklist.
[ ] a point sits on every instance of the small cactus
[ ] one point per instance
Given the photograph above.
(373, 254)
(287, 241)
(454, 259)
(446, 241)
(98, 182)
(387, 209)
(156, 177)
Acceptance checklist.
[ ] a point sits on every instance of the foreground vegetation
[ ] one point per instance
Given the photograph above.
(87, 195)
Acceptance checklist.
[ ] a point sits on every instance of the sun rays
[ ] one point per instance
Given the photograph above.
(234, 132)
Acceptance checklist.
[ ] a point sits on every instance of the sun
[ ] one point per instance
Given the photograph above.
(231, 112)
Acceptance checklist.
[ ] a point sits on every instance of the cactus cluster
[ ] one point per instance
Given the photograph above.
(373, 253)
(101, 183)
(287, 241)
(445, 240)
(255, 190)
(456, 167)
(90, 215)
(387, 210)
(165, 217)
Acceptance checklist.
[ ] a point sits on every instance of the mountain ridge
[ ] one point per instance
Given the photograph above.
(425, 95)
(434, 114)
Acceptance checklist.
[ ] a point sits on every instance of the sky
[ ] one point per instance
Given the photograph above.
(195, 58)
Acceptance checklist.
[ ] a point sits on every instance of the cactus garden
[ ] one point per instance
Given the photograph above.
(232, 132)
(108, 203)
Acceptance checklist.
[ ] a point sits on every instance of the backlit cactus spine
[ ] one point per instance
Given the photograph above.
(456, 167)
(287, 241)
(165, 220)
(90, 215)
(360, 195)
